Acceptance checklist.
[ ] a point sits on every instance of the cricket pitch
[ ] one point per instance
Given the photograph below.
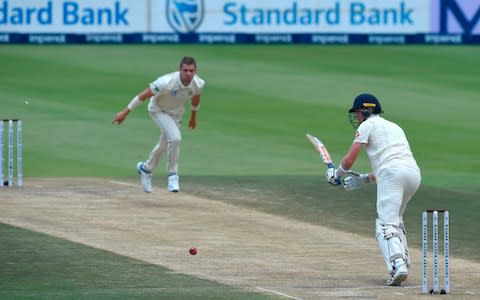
(236, 246)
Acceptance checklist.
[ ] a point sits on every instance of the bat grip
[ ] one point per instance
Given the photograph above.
(332, 166)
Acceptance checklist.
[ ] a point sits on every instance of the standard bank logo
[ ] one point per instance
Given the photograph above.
(185, 16)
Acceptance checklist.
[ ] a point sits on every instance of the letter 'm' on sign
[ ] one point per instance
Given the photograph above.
(457, 12)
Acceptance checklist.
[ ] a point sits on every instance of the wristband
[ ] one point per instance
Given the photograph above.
(194, 108)
(134, 103)
(340, 171)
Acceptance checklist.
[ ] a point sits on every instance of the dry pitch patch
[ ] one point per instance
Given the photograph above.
(236, 246)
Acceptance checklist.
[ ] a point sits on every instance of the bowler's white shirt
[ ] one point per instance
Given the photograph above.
(169, 94)
(385, 143)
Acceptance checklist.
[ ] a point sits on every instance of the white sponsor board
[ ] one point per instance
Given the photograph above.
(290, 16)
(219, 16)
(70, 16)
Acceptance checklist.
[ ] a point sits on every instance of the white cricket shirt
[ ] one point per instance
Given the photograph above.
(169, 94)
(385, 143)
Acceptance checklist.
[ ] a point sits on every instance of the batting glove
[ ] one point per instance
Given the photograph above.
(331, 177)
(356, 181)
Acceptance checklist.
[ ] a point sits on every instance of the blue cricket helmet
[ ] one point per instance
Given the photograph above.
(366, 102)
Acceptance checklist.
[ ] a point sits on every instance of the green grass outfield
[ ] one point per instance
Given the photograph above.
(258, 104)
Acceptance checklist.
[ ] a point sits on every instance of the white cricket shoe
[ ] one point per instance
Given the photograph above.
(146, 177)
(399, 274)
(173, 185)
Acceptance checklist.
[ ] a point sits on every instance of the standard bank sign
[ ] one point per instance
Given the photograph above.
(314, 16)
(246, 16)
(72, 16)
(185, 16)
(294, 16)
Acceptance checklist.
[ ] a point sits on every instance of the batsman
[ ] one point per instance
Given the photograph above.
(395, 171)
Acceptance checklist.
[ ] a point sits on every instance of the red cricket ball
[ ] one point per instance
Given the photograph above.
(193, 251)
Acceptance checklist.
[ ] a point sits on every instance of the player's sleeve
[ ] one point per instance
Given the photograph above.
(159, 86)
(199, 85)
(363, 132)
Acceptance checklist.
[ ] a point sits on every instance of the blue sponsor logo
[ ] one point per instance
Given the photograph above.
(185, 16)
(361, 14)
(74, 13)
(458, 12)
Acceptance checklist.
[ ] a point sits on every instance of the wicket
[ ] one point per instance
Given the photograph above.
(10, 124)
(446, 275)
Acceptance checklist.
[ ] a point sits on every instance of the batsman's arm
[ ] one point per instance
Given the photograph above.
(334, 175)
(354, 180)
(350, 158)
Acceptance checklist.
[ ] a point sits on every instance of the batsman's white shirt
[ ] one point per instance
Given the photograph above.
(385, 143)
(398, 178)
(169, 94)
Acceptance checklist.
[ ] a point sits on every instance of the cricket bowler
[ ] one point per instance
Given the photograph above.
(167, 95)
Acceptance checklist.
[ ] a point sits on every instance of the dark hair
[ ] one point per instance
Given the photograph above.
(188, 60)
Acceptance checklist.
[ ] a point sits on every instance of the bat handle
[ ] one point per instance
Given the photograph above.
(332, 166)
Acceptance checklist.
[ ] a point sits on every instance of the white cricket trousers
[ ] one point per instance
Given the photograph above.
(169, 142)
(395, 187)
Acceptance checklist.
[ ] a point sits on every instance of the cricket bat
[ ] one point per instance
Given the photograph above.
(321, 149)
